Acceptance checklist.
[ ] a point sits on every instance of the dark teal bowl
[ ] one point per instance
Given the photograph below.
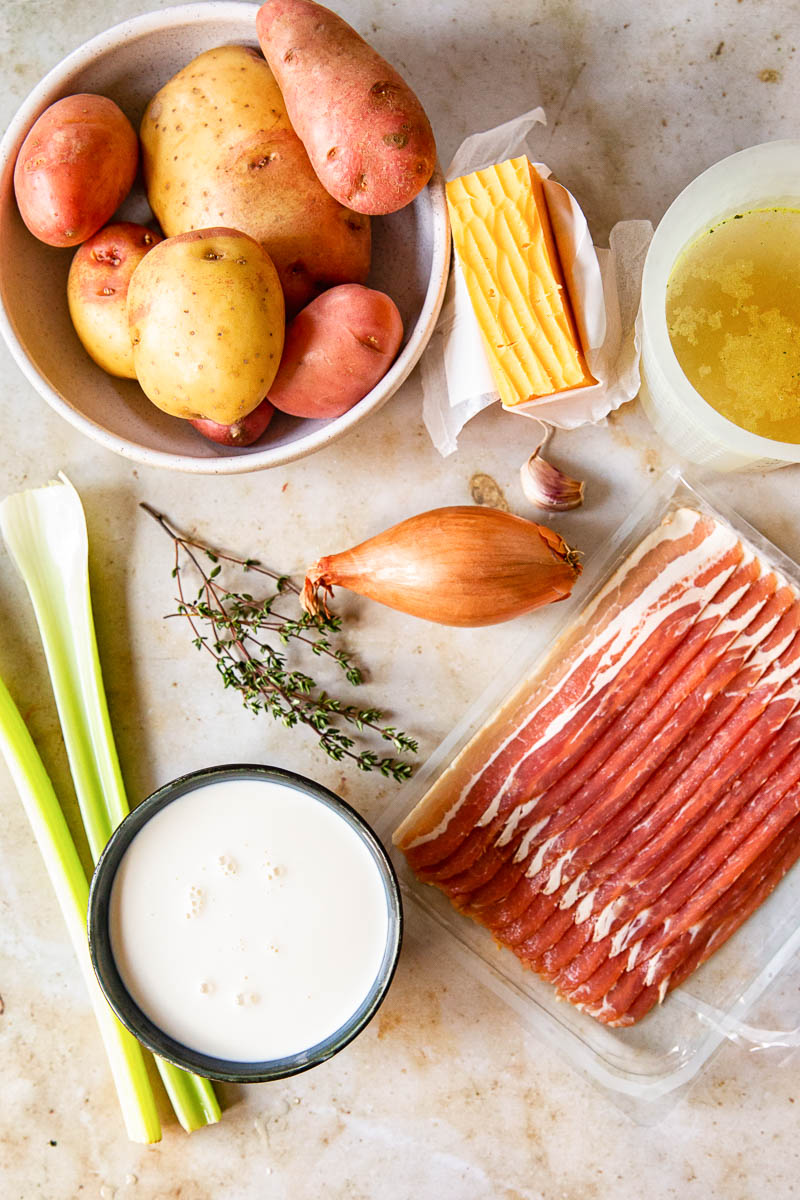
(139, 1023)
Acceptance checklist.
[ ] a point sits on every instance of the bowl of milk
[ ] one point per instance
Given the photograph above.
(244, 923)
(720, 314)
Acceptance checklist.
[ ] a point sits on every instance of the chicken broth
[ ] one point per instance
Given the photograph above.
(733, 314)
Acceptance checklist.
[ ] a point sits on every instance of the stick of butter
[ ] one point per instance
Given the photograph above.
(505, 245)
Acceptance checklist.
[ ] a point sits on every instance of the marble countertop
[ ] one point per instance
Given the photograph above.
(444, 1095)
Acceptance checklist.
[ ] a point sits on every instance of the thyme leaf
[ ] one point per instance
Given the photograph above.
(250, 639)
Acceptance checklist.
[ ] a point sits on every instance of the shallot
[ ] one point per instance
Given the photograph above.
(456, 566)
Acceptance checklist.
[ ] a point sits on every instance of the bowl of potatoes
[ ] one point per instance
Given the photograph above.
(263, 285)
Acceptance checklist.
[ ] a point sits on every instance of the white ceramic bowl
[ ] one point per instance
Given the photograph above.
(129, 63)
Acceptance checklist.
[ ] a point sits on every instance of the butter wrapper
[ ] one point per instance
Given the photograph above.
(603, 286)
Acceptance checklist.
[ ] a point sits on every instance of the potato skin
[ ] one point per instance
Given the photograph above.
(75, 168)
(242, 433)
(97, 293)
(218, 149)
(206, 317)
(336, 350)
(365, 131)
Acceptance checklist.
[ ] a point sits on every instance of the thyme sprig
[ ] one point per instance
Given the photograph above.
(239, 630)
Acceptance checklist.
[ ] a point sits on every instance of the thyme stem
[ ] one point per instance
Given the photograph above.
(230, 626)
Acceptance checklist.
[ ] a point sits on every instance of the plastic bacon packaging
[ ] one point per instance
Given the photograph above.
(637, 798)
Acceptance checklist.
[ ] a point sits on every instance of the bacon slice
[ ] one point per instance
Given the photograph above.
(638, 992)
(649, 603)
(663, 722)
(630, 805)
(745, 816)
(608, 851)
(550, 952)
(683, 669)
(626, 893)
(624, 799)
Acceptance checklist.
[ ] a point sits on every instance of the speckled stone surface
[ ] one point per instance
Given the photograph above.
(444, 1095)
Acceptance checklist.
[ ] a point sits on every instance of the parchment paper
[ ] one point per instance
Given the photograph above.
(603, 285)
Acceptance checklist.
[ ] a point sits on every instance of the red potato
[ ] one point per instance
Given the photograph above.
(97, 293)
(364, 130)
(336, 350)
(75, 168)
(243, 432)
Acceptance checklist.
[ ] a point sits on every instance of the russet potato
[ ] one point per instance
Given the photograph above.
(206, 318)
(218, 149)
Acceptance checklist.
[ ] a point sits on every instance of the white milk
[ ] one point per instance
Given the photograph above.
(248, 920)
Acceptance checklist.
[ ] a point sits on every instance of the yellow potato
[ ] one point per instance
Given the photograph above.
(219, 149)
(206, 318)
(97, 293)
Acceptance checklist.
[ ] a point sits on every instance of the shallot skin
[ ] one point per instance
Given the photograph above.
(463, 565)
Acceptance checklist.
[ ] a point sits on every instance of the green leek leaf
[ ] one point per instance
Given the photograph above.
(72, 891)
(45, 532)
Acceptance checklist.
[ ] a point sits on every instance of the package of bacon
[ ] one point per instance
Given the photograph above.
(636, 798)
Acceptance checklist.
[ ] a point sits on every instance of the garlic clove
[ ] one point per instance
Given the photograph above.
(547, 487)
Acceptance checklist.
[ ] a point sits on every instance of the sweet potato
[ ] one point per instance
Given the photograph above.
(75, 168)
(97, 293)
(363, 128)
(242, 433)
(336, 350)
(218, 149)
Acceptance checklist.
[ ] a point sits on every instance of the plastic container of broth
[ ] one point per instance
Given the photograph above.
(763, 176)
(244, 923)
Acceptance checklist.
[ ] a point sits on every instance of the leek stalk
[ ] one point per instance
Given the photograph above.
(45, 532)
(72, 892)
